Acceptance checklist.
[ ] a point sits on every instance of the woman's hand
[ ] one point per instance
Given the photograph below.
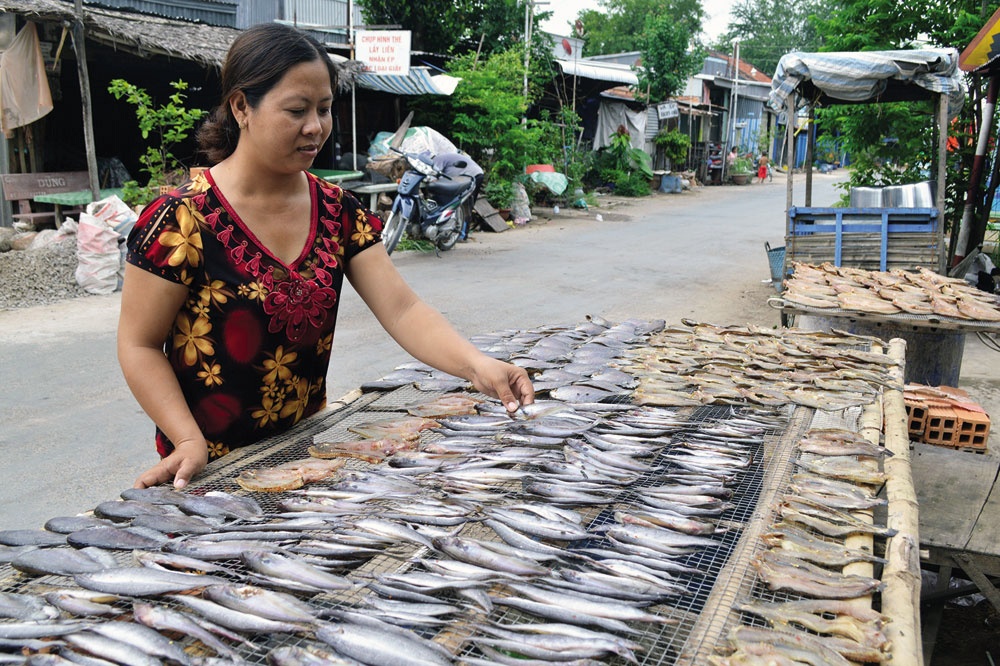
(187, 459)
(505, 381)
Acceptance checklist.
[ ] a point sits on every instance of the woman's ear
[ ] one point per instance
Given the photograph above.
(238, 106)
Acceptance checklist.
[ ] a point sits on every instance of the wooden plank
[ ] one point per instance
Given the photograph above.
(27, 185)
(952, 486)
(490, 216)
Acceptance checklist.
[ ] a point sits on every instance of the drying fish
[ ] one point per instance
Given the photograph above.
(534, 525)
(111, 649)
(794, 507)
(57, 561)
(562, 613)
(238, 620)
(218, 550)
(754, 644)
(218, 504)
(655, 518)
(142, 581)
(863, 625)
(839, 443)
(117, 538)
(792, 574)
(844, 467)
(144, 638)
(67, 524)
(369, 450)
(399, 428)
(486, 555)
(31, 538)
(307, 655)
(814, 549)
(128, 509)
(377, 646)
(622, 587)
(834, 490)
(83, 603)
(261, 602)
(295, 569)
(179, 524)
(393, 530)
(176, 562)
(589, 605)
(560, 638)
(168, 619)
(523, 542)
(450, 404)
(15, 606)
(154, 495)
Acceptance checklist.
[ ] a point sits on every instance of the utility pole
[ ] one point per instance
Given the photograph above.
(732, 106)
(529, 7)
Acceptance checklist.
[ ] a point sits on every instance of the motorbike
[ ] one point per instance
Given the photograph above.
(429, 204)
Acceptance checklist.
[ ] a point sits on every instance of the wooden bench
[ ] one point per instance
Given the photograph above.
(23, 187)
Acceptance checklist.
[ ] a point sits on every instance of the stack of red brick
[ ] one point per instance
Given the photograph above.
(946, 416)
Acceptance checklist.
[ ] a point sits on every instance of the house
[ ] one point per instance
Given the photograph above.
(150, 43)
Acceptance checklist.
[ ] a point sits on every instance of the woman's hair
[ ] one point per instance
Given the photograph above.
(256, 61)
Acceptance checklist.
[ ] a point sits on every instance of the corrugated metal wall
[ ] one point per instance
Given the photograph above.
(329, 15)
(213, 12)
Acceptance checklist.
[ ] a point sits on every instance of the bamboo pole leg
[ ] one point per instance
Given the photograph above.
(931, 620)
(901, 596)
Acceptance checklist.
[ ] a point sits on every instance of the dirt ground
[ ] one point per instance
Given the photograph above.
(968, 636)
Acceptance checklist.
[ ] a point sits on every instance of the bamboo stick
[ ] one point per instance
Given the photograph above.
(901, 575)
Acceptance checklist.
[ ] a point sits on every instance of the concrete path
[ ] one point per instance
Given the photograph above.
(72, 436)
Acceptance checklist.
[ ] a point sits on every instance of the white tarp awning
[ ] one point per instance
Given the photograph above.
(863, 76)
(599, 71)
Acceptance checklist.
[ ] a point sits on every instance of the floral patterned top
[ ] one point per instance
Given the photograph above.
(251, 344)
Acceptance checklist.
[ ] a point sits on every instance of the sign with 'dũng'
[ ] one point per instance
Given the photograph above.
(385, 52)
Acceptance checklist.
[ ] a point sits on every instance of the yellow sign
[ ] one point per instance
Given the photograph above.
(984, 47)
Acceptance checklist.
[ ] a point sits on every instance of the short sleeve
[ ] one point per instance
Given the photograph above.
(166, 240)
(364, 229)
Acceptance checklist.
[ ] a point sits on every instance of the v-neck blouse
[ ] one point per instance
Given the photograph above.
(251, 344)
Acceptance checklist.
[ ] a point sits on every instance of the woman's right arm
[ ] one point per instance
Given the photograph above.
(149, 306)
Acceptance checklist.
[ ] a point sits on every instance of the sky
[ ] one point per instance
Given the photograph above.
(566, 10)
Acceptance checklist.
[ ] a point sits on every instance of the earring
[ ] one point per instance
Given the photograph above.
(243, 125)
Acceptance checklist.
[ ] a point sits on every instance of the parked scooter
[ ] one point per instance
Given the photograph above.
(438, 214)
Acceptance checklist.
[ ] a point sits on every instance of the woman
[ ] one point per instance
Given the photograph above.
(233, 281)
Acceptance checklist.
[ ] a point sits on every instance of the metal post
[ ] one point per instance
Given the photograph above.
(354, 107)
(810, 141)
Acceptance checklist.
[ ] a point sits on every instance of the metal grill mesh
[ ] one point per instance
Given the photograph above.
(662, 644)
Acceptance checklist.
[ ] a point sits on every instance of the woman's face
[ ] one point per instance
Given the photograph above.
(293, 120)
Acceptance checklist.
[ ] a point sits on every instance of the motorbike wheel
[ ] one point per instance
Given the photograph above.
(393, 231)
(448, 241)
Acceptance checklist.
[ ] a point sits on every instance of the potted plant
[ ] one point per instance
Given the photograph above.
(741, 170)
(674, 145)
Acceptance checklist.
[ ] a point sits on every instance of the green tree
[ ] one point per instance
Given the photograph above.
(453, 26)
(617, 28)
(667, 59)
(890, 143)
(768, 29)
(165, 126)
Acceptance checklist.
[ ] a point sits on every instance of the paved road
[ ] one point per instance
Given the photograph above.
(71, 435)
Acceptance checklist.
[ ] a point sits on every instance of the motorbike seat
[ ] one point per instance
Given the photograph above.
(443, 189)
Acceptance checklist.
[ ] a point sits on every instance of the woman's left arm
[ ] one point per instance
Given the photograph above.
(426, 335)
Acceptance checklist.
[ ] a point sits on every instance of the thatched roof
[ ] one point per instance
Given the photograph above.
(141, 34)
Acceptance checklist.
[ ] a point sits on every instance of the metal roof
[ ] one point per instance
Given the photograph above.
(420, 81)
(599, 71)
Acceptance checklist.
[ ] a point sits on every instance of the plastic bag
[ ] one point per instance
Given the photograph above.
(520, 209)
(101, 233)
(99, 258)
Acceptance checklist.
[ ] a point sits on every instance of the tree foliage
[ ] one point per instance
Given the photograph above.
(894, 143)
(619, 25)
(453, 26)
(667, 58)
(767, 29)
